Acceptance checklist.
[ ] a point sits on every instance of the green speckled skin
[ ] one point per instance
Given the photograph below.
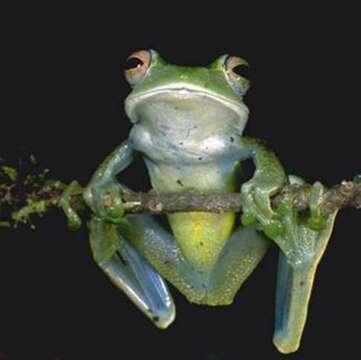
(188, 127)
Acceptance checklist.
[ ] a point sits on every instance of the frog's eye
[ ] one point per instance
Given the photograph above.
(137, 66)
(236, 70)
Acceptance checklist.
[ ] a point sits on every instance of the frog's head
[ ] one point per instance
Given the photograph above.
(188, 94)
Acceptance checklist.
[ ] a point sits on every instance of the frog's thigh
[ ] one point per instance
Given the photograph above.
(158, 245)
(242, 253)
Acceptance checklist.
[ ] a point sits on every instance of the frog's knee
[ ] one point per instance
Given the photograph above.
(217, 300)
(209, 299)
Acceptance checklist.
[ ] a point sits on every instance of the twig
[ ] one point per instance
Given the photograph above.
(347, 194)
(25, 201)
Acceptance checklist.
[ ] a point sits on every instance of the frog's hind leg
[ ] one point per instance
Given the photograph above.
(158, 245)
(131, 272)
(293, 293)
(301, 251)
(240, 256)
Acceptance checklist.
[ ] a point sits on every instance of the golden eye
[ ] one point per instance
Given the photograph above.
(236, 70)
(236, 65)
(137, 66)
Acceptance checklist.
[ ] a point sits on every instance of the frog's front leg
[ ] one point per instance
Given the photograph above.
(103, 193)
(268, 178)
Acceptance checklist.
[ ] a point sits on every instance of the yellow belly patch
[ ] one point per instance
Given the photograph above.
(201, 236)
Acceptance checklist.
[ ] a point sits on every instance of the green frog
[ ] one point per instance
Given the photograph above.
(188, 125)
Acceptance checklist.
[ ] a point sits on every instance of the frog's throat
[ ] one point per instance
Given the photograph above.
(183, 90)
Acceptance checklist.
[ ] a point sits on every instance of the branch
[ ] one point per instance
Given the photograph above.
(347, 194)
(23, 196)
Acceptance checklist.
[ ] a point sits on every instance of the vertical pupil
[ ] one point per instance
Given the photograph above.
(133, 63)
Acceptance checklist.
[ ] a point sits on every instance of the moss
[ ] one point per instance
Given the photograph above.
(4, 224)
(10, 172)
(34, 207)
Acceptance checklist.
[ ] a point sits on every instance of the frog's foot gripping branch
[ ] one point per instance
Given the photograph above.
(302, 243)
(302, 239)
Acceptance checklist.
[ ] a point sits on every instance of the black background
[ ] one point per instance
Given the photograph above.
(63, 87)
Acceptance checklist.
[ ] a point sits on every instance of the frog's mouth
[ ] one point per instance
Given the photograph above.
(184, 98)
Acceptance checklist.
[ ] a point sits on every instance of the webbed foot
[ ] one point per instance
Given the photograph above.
(302, 242)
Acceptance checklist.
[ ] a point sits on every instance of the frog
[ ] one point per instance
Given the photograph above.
(187, 126)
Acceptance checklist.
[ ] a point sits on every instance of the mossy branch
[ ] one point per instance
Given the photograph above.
(35, 194)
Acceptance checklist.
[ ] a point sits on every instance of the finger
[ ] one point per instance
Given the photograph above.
(263, 203)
